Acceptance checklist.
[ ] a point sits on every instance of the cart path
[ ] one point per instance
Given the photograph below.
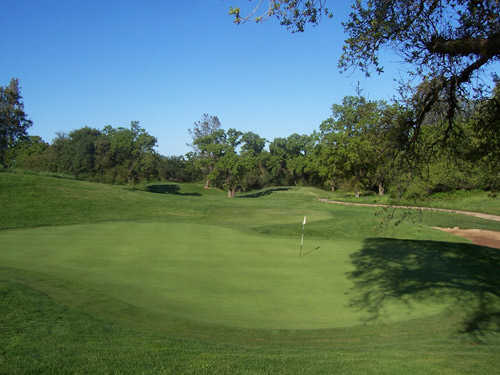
(469, 213)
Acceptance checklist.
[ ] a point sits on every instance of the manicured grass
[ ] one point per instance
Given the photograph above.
(176, 279)
(202, 273)
(44, 335)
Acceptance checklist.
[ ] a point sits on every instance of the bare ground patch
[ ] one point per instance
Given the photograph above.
(478, 236)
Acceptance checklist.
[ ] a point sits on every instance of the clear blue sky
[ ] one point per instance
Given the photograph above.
(165, 63)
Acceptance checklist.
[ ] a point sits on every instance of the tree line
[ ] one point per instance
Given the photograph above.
(360, 147)
(443, 133)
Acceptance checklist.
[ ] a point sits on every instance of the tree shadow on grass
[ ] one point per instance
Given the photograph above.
(408, 271)
(169, 189)
(263, 193)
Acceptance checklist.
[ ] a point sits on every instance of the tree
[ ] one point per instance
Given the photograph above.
(30, 153)
(252, 147)
(326, 158)
(83, 151)
(207, 137)
(288, 159)
(13, 120)
(204, 127)
(144, 158)
(126, 155)
(354, 144)
(484, 140)
(252, 143)
(232, 168)
(113, 155)
(61, 154)
(447, 43)
(178, 168)
(226, 167)
(210, 148)
(294, 14)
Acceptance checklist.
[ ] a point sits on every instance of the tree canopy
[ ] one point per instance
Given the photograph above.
(447, 42)
(13, 120)
(294, 14)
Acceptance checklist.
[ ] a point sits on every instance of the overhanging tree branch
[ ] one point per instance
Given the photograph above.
(486, 47)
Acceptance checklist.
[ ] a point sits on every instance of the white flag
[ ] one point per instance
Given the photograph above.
(304, 222)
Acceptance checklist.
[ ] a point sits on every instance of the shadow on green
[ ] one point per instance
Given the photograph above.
(263, 193)
(169, 189)
(407, 271)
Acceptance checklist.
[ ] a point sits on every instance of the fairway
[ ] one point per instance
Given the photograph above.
(202, 273)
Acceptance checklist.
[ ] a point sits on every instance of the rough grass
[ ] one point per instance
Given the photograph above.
(466, 200)
(183, 280)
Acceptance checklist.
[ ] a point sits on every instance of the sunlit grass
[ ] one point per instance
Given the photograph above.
(177, 279)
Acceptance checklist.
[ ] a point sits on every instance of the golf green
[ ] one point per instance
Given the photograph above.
(203, 273)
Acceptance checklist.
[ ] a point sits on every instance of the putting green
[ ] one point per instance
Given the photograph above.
(202, 273)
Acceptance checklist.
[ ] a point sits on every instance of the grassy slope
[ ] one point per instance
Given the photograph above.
(475, 200)
(31, 201)
(45, 336)
(49, 314)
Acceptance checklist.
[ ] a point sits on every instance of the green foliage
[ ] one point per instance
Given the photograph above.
(423, 32)
(445, 43)
(13, 120)
(290, 159)
(293, 14)
(484, 144)
(208, 144)
(30, 153)
(179, 168)
(252, 143)
(361, 147)
(358, 148)
(113, 155)
(355, 147)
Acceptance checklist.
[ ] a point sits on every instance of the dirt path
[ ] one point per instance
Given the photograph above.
(478, 236)
(469, 213)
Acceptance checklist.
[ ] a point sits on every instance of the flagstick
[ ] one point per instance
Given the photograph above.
(302, 237)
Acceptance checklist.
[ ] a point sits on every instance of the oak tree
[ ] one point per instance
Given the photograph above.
(448, 43)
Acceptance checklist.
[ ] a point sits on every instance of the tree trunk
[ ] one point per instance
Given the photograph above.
(207, 184)
(381, 189)
(231, 192)
(356, 194)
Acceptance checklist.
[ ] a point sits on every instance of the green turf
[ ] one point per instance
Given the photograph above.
(176, 279)
(202, 273)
